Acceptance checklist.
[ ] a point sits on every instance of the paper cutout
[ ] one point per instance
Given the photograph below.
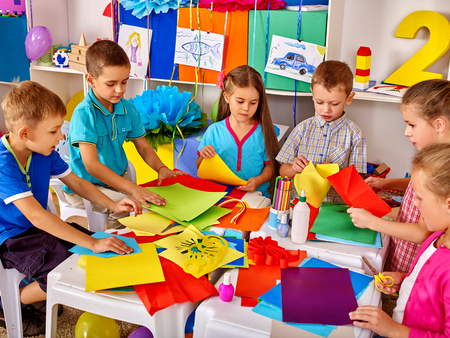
(250, 220)
(131, 242)
(189, 182)
(134, 41)
(184, 203)
(267, 251)
(107, 273)
(178, 287)
(314, 181)
(216, 170)
(317, 296)
(333, 220)
(150, 223)
(356, 193)
(256, 280)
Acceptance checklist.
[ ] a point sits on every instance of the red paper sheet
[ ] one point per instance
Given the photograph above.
(256, 280)
(357, 193)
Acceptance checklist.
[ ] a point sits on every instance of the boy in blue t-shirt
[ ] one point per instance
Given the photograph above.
(100, 125)
(33, 240)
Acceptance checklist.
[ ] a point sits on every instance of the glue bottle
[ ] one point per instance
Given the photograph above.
(300, 221)
(283, 226)
(226, 289)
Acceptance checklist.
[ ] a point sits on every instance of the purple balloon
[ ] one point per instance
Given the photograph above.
(141, 332)
(37, 42)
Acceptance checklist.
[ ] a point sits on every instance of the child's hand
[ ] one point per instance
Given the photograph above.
(299, 164)
(375, 319)
(111, 244)
(363, 219)
(128, 205)
(252, 185)
(208, 151)
(376, 182)
(167, 173)
(398, 278)
(144, 196)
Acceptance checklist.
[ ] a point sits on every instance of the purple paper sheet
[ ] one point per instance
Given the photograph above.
(317, 296)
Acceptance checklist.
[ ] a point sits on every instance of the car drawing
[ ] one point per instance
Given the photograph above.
(295, 61)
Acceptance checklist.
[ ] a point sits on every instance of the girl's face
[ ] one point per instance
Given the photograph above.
(243, 104)
(434, 210)
(419, 131)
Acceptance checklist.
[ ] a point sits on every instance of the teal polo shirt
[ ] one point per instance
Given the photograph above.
(92, 123)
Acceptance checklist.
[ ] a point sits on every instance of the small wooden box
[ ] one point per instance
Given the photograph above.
(77, 58)
(80, 50)
(81, 67)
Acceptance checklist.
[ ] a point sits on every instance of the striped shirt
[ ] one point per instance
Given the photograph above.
(340, 141)
(402, 253)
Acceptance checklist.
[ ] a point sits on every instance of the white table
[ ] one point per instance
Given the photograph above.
(215, 318)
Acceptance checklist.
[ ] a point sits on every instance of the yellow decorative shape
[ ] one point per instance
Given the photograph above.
(363, 62)
(144, 173)
(321, 50)
(362, 79)
(73, 103)
(314, 181)
(413, 70)
(215, 169)
(150, 223)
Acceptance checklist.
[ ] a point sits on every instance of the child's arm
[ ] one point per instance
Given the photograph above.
(207, 151)
(297, 166)
(97, 169)
(411, 232)
(52, 224)
(151, 158)
(254, 182)
(390, 183)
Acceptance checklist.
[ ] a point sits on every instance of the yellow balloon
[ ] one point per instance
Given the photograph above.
(73, 103)
(90, 325)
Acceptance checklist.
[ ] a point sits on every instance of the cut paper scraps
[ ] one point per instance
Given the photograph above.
(150, 223)
(197, 254)
(317, 296)
(178, 287)
(131, 242)
(267, 251)
(314, 181)
(356, 193)
(113, 272)
(333, 220)
(215, 169)
(251, 220)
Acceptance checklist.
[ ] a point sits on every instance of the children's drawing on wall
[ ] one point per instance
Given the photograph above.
(193, 45)
(294, 59)
(134, 40)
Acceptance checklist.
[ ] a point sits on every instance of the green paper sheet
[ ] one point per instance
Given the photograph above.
(207, 218)
(183, 203)
(284, 23)
(333, 223)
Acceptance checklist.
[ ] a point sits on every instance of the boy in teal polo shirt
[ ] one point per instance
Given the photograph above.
(99, 126)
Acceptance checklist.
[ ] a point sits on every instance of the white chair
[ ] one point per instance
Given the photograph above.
(9, 290)
(96, 220)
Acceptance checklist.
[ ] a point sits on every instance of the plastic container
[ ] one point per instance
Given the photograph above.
(300, 221)
(283, 226)
(226, 289)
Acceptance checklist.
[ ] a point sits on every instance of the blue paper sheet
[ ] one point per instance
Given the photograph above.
(131, 242)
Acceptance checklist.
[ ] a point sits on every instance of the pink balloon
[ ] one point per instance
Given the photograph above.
(141, 332)
(37, 42)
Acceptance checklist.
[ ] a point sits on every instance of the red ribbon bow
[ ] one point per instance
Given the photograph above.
(269, 252)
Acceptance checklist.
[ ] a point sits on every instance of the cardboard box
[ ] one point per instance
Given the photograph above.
(380, 169)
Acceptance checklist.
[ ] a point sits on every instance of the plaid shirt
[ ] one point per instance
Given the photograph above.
(340, 141)
(402, 253)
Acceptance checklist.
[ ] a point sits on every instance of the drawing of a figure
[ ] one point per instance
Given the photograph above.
(134, 45)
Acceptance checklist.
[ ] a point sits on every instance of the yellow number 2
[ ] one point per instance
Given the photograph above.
(413, 70)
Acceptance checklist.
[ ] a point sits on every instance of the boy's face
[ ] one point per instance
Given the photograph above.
(330, 104)
(110, 86)
(45, 136)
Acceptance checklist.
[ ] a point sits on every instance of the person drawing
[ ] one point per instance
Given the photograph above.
(134, 44)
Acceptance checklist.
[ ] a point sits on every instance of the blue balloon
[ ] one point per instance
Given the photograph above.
(141, 332)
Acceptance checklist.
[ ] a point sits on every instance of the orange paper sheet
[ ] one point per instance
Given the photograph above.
(256, 280)
(357, 193)
(215, 169)
(250, 220)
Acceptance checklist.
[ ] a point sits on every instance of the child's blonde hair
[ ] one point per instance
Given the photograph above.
(242, 77)
(431, 98)
(434, 162)
(105, 53)
(333, 74)
(29, 103)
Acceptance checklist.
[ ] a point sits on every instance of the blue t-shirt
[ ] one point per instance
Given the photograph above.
(246, 158)
(18, 183)
(93, 123)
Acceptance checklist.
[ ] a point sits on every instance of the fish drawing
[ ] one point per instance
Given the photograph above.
(197, 48)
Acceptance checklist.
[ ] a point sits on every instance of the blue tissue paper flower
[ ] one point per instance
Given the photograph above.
(143, 8)
(163, 109)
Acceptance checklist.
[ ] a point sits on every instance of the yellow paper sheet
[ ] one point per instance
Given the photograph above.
(314, 181)
(150, 223)
(113, 272)
(215, 169)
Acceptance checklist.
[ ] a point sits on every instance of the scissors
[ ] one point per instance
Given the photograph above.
(379, 277)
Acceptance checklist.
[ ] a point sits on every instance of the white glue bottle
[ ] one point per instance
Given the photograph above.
(300, 221)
